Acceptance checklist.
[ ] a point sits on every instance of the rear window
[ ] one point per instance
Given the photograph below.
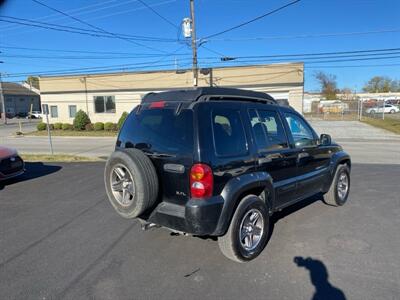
(161, 130)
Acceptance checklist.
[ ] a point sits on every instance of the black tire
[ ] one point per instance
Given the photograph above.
(392, 111)
(143, 187)
(332, 197)
(230, 244)
(372, 112)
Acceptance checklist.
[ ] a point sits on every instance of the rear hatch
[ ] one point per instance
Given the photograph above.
(164, 132)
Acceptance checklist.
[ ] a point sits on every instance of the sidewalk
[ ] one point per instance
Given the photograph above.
(82, 146)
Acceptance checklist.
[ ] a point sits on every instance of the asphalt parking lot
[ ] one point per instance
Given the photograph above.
(60, 238)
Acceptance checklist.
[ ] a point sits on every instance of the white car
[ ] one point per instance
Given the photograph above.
(389, 109)
(34, 115)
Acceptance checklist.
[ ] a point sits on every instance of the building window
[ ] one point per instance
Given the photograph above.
(72, 111)
(104, 104)
(54, 111)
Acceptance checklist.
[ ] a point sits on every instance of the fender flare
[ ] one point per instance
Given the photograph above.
(238, 186)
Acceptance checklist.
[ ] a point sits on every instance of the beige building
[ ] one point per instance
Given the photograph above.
(106, 96)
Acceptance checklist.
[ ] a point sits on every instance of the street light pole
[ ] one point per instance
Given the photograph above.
(194, 46)
(3, 108)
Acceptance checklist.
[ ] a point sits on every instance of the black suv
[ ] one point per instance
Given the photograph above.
(219, 162)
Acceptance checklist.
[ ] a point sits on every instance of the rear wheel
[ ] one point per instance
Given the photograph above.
(248, 231)
(340, 187)
(392, 111)
(131, 182)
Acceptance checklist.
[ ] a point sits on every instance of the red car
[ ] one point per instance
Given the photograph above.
(11, 164)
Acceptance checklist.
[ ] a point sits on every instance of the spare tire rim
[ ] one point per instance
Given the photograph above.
(343, 185)
(251, 229)
(122, 185)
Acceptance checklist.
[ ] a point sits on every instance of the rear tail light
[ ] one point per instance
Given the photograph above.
(201, 181)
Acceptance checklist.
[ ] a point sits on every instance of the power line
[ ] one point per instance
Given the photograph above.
(80, 31)
(252, 20)
(309, 62)
(101, 68)
(101, 33)
(161, 16)
(306, 35)
(96, 27)
(82, 8)
(355, 66)
(79, 51)
(91, 71)
(47, 57)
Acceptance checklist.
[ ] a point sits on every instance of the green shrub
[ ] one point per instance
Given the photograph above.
(98, 126)
(57, 126)
(67, 126)
(51, 126)
(109, 126)
(81, 120)
(41, 126)
(122, 120)
(89, 127)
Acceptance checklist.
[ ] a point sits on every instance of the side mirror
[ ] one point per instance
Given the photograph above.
(325, 139)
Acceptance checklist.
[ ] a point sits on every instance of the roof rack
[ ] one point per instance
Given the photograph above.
(208, 94)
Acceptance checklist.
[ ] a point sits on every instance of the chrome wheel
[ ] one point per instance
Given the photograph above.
(122, 185)
(343, 185)
(251, 229)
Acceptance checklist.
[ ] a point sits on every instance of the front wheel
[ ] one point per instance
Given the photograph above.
(340, 187)
(392, 111)
(248, 231)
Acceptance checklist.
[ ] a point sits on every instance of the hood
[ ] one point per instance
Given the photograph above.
(6, 152)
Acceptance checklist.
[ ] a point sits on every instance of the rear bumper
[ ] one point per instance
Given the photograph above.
(197, 217)
(18, 173)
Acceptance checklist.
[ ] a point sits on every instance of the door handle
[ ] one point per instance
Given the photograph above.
(303, 155)
(264, 160)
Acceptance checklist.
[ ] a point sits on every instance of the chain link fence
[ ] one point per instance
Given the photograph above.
(352, 110)
(334, 110)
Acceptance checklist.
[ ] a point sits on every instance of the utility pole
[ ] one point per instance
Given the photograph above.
(3, 107)
(194, 45)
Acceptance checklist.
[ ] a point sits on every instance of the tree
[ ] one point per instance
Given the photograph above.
(34, 81)
(381, 84)
(81, 120)
(328, 85)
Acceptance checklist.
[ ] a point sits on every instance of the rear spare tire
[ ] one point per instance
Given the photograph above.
(131, 182)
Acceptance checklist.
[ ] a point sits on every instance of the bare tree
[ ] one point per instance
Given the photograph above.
(328, 85)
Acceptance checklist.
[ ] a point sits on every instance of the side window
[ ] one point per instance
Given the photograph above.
(268, 130)
(259, 130)
(72, 111)
(274, 129)
(228, 131)
(301, 132)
